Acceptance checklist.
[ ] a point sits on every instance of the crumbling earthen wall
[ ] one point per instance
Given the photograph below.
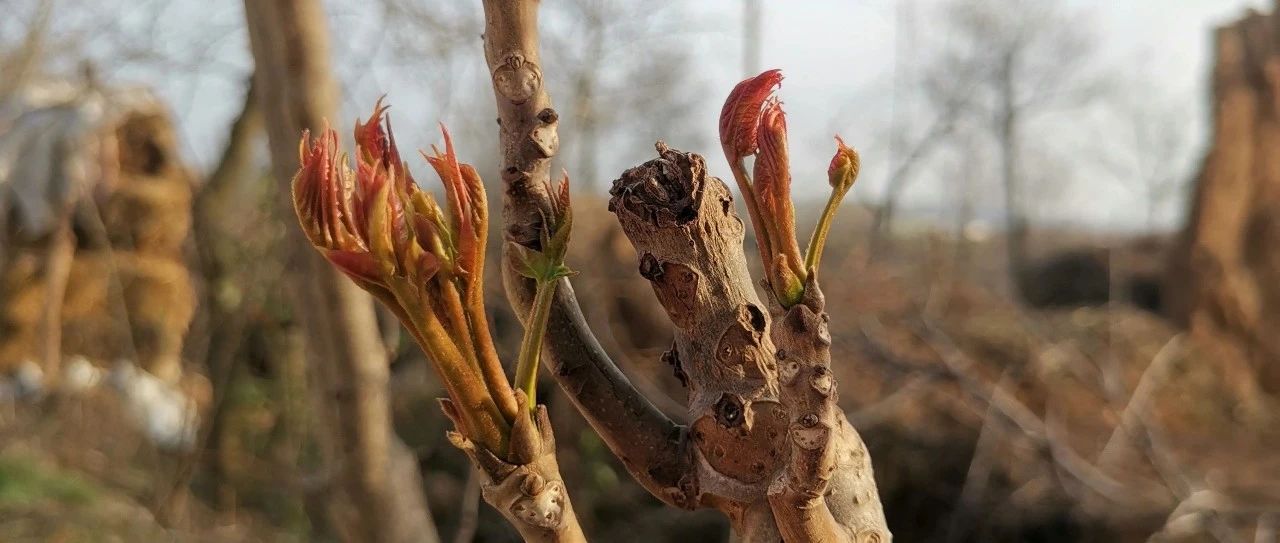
(129, 293)
(1225, 279)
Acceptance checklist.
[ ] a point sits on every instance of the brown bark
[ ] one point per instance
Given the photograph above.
(746, 426)
(297, 91)
(652, 447)
(774, 451)
(1225, 278)
(828, 489)
(525, 485)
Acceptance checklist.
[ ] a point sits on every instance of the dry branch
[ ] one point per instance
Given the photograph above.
(760, 386)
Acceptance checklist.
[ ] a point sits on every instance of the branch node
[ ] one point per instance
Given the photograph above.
(545, 139)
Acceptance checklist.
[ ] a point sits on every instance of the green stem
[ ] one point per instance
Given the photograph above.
(531, 344)
(813, 254)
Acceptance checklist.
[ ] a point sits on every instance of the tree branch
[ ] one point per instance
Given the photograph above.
(774, 451)
(653, 448)
(526, 486)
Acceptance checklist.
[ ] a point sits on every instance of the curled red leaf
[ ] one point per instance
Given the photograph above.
(772, 174)
(740, 112)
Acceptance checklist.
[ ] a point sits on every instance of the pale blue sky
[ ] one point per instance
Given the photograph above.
(838, 56)
(1166, 40)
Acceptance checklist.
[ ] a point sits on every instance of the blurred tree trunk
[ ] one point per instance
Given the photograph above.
(1225, 278)
(297, 92)
(57, 270)
(1006, 129)
(224, 321)
(881, 230)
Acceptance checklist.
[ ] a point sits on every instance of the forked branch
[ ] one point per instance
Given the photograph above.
(653, 448)
(393, 240)
(774, 454)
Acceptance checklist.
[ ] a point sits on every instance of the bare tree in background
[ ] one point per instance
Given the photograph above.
(1154, 139)
(607, 82)
(378, 474)
(915, 137)
(22, 47)
(1016, 60)
(970, 164)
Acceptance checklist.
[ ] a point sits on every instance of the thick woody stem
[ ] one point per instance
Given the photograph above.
(525, 485)
(682, 224)
(651, 446)
(827, 491)
(689, 241)
(774, 451)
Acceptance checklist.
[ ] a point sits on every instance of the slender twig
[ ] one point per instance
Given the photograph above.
(818, 241)
(531, 343)
(629, 424)
(469, 516)
(1130, 418)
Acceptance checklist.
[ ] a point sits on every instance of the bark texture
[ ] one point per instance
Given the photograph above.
(773, 450)
(774, 454)
(526, 487)
(653, 448)
(1225, 278)
(297, 92)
